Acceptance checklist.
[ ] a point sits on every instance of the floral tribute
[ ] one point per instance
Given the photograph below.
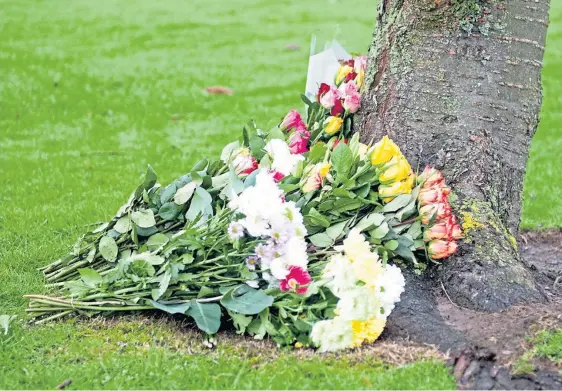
(298, 234)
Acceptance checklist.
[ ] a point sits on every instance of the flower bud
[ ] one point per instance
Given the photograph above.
(298, 142)
(438, 211)
(332, 125)
(342, 73)
(433, 194)
(397, 169)
(439, 249)
(383, 151)
(430, 176)
(292, 120)
(327, 96)
(388, 192)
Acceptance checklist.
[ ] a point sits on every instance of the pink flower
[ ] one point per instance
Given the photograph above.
(352, 103)
(298, 142)
(327, 96)
(430, 176)
(350, 76)
(439, 249)
(296, 281)
(348, 89)
(440, 211)
(244, 164)
(433, 194)
(292, 120)
(277, 176)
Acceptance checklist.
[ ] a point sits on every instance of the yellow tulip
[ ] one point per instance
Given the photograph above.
(332, 125)
(397, 169)
(388, 192)
(383, 151)
(342, 73)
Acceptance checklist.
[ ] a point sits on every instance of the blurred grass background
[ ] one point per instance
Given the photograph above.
(92, 91)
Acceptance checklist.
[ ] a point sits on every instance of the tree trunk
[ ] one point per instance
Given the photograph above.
(457, 84)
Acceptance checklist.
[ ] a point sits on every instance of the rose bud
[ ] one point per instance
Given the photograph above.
(292, 120)
(298, 143)
(388, 192)
(314, 176)
(383, 151)
(244, 163)
(332, 125)
(439, 249)
(342, 73)
(397, 169)
(440, 211)
(327, 96)
(432, 195)
(352, 103)
(430, 176)
(456, 232)
(277, 176)
(338, 109)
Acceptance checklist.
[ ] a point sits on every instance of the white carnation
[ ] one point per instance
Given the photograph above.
(391, 285)
(331, 335)
(283, 160)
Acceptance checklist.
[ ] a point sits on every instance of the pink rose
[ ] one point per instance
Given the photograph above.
(292, 120)
(327, 96)
(298, 142)
(352, 103)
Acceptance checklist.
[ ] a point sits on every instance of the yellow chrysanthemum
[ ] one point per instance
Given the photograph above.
(367, 331)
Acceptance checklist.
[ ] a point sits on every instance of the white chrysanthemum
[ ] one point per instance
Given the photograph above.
(332, 335)
(235, 230)
(390, 284)
(355, 246)
(359, 303)
(283, 160)
(340, 274)
(279, 268)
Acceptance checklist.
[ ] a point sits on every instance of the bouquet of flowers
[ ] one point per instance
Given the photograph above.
(289, 235)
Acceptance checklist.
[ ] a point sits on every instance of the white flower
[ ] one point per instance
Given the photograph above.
(294, 251)
(357, 304)
(253, 284)
(283, 160)
(331, 335)
(251, 262)
(339, 274)
(265, 251)
(235, 230)
(391, 285)
(355, 246)
(279, 268)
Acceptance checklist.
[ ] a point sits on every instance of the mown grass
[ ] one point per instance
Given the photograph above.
(93, 91)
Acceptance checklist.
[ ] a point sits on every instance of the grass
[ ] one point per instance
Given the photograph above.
(546, 345)
(93, 91)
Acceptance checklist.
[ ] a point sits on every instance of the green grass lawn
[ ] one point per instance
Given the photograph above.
(92, 91)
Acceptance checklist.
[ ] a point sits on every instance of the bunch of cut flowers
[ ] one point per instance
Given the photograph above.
(294, 234)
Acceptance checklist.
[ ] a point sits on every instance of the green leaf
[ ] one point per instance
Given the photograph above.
(335, 231)
(306, 100)
(317, 152)
(90, 277)
(108, 248)
(342, 160)
(144, 218)
(151, 259)
(5, 321)
(169, 211)
(185, 193)
(415, 230)
(317, 218)
(345, 204)
(380, 232)
(391, 245)
(206, 315)
(167, 193)
(123, 225)
(156, 241)
(200, 205)
(162, 286)
(200, 165)
(250, 302)
(91, 255)
(256, 146)
(149, 181)
(241, 322)
(321, 240)
(399, 202)
(275, 133)
(171, 308)
(369, 221)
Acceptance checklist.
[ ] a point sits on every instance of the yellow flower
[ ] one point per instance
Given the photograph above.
(298, 345)
(397, 169)
(324, 169)
(388, 192)
(342, 73)
(332, 125)
(384, 150)
(359, 78)
(367, 331)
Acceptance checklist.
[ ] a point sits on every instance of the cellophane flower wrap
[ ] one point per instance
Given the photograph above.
(298, 233)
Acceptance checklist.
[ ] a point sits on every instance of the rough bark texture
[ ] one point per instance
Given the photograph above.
(456, 83)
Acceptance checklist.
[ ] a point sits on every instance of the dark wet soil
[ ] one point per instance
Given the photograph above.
(483, 346)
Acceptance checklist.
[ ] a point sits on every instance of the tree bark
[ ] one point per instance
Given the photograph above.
(457, 84)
